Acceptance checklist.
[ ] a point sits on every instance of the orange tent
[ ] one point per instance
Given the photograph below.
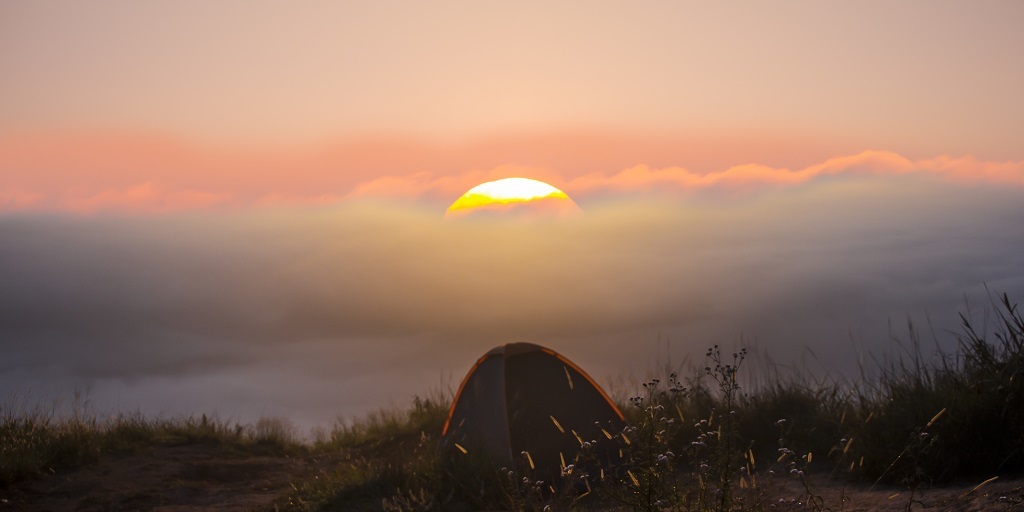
(527, 407)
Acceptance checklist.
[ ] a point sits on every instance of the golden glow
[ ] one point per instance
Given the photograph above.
(510, 193)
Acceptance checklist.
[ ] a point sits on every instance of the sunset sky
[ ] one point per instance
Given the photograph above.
(238, 206)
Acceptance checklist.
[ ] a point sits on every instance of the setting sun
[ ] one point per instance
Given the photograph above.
(518, 195)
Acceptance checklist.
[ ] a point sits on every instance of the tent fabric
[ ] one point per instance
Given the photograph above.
(523, 398)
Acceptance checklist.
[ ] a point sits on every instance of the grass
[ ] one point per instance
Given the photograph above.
(392, 460)
(34, 442)
(980, 392)
(697, 438)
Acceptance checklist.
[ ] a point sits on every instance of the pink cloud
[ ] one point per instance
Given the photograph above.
(641, 178)
(669, 180)
(18, 199)
(146, 174)
(968, 169)
(143, 198)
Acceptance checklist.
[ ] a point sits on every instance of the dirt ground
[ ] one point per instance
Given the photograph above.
(202, 477)
(997, 495)
(166, 478)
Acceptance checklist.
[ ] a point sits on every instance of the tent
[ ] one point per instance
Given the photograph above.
(527, 407)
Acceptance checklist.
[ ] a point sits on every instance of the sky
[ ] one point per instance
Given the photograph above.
(237, 208)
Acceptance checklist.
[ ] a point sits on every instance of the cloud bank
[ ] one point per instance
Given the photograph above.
(741, 178)
(151, 175)
(333, 311)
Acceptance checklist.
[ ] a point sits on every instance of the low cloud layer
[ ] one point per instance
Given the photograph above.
(316, 313)
(146, 175)
(669, 181)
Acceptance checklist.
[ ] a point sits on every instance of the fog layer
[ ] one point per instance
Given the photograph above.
(316, 314)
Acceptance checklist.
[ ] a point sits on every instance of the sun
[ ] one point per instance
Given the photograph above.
(517, 197)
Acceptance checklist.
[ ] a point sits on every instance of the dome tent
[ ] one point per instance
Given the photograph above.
(523, 398)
